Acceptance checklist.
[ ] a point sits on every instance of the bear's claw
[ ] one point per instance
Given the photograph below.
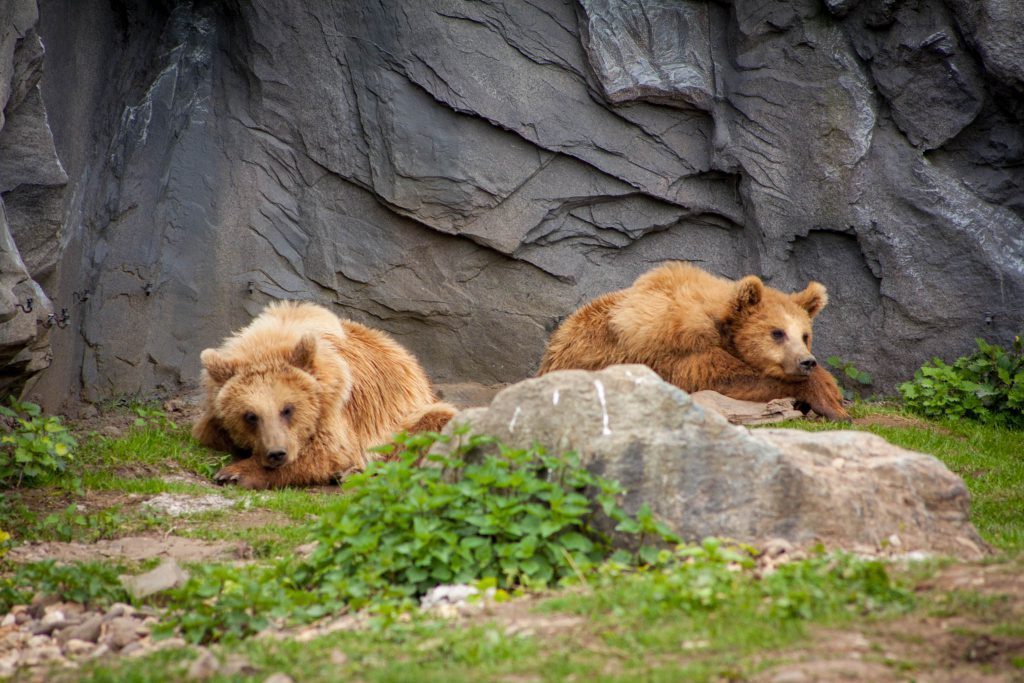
(225, 477)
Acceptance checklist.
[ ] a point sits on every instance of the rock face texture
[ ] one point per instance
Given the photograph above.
(31, 183)
(464, 174)
(706, 477)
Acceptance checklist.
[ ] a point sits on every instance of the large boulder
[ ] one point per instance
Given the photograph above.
(706, 477)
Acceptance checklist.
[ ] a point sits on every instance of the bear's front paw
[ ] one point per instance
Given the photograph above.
(242, 474)
(832, 411)
(825, 397)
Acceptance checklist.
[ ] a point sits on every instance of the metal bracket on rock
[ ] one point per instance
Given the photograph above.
(60, 321)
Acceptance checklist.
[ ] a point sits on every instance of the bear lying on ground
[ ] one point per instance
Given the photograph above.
(299, 395)
(698, 331)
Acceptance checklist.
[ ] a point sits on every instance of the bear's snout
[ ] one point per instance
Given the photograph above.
(276, 457)
(808, 364)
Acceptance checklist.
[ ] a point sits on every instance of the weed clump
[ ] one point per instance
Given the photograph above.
(987, 386)
(32, 447)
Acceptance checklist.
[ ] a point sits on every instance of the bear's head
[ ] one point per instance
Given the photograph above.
(270, 409)
(771, 330)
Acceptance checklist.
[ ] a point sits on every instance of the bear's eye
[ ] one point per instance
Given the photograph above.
(807, 338)
(778, 335)
(287, 411)
(251, 418)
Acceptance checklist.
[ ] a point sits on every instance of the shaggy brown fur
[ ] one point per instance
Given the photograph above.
(697, 331)
(300, 395)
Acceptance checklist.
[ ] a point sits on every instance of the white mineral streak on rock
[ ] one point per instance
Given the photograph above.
(515, 416)
(604, 408)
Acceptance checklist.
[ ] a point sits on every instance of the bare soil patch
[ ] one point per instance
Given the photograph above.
(880, 420)
(132, 549)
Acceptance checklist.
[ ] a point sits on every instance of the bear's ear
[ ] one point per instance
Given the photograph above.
(217, 367)
(748, 294)
(304, 353)
(812, 299)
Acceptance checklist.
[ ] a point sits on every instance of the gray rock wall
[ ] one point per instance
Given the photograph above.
(465, 174)
(31, 184)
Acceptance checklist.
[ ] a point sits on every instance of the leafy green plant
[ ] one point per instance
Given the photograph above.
(227, 602)
(90, 583)
(987, 386)
(146, 416)
(518, 518)
(853, 381)
(32, 446)
(75, 524)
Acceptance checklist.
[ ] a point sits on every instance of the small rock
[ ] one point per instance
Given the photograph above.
(237, 665)
(166, 576)
(120, 631)
(169, 643)
(204, 666)
(101, 650)
(111, 432)
(118, 609)
(178, 504)
(789, 676)
(775, 547)
(9, 620)
(75, 647)
(451, 595)
(88, 630)
(52, 620)
(36, 642)
(88, 411)
(47, 653)
(134, 649)
(279, 678)
(306, 549)
(39, 604)
(73, 611)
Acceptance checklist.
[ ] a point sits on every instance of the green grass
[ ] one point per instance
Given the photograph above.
(634, 626)
(647, 626)
(990, 460)
(146, 460)
(160, 445)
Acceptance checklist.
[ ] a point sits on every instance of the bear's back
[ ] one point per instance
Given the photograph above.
(673, 308)
(273, 334)
(388, 382)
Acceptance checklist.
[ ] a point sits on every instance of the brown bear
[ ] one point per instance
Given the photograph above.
(698, 331)
(300, 395)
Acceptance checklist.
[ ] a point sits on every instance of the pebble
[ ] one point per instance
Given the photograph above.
(121, 631)
(88, 630)
(204, 666)
(76, 647)
(118, 609)
(279, 678)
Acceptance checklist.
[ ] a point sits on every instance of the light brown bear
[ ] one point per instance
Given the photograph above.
(300, 395)
(698, 331)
